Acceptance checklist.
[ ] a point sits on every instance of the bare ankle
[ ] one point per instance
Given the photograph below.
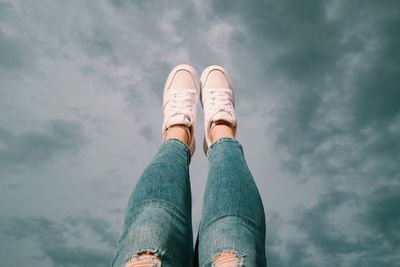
(145, 259)
(179, 132)
(221, 130)
(227, 259)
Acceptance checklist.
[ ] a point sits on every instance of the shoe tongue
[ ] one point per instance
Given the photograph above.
(179, 119)
(223, 116)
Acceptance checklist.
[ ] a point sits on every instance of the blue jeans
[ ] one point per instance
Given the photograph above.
(158, 218)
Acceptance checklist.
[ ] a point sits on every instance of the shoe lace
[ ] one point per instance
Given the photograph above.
(181, 102)
(219, 99)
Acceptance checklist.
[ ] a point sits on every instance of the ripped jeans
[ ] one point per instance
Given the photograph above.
(158, 225)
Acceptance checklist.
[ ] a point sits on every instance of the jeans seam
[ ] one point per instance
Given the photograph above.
(247, 221)
(175, 140)
(167, 205)
(224, 140)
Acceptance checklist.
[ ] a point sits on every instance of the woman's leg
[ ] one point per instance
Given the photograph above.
(232, 230)
(158, 229)
(158, 220)
(233, 218)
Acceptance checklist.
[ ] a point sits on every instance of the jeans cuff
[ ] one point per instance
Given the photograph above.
(224, 140)
(179, 144)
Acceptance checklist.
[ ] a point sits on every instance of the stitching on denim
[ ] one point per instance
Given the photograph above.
(174, 140)
(162, 204)
(223, 140)
(246, 221)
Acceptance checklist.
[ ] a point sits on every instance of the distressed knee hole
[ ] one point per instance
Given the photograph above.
(144, 259)
(227, 259)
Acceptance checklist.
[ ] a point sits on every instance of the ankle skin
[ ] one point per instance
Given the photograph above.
(221, 130)
(179, 132)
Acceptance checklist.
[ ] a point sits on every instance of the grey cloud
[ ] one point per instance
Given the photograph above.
(97, 43)
(299, 256)
(31, 149)
(376, 97)
(273, 241)
(296, 251)
(128, 46)
(52, 238)
(15, 54)
(97, 35)
(10, 186)
(98, 226)
(383, 214)
(369, 155)
(44, 229)
(381, 217)
(273, 221)
(377, 216)
(150, 38)
(147, 132)
(274, 259)
(78, 256)
(369, 261)
(308, 41)
(319, 231)
(4, 10)
(341, 72)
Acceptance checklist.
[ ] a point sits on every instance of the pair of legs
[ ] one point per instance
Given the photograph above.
(158, 225)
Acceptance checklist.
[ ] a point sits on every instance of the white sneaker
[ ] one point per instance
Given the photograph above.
(181, 93)
(218, 101)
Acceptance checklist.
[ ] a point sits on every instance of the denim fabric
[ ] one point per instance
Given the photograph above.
(158, 217)
(233, 215)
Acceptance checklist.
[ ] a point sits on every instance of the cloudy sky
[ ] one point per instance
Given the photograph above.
(318, 102)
